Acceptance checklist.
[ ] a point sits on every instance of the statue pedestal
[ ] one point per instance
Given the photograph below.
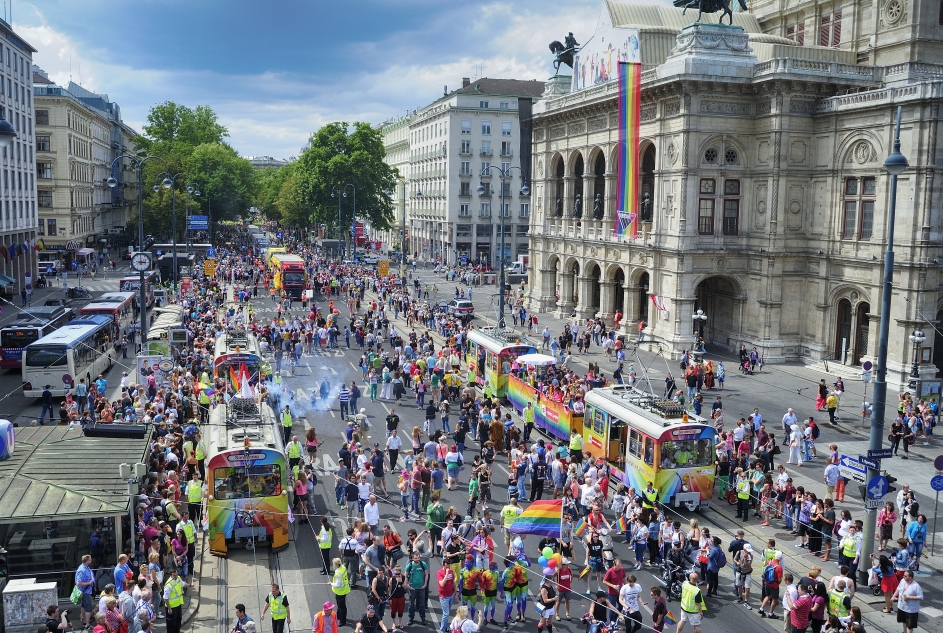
(711, 50)
(557, 86)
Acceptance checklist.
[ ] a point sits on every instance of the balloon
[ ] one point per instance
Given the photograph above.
(552, 563)
(558, 557)
(547, 552)
(542, 561)
(548, 571)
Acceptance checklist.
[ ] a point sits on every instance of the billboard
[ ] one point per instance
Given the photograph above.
(598, 61)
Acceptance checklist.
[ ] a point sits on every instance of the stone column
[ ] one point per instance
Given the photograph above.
(630, 319)
(546, 300)
(609, 199)
(565, 305)
(607, 300)
(583, 309)
(589, 183)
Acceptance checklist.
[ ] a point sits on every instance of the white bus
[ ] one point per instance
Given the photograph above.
(120, 310)
(83, 348)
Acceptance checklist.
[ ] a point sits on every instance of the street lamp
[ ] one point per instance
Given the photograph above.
(138, 163)
(917, 338)
(699, 319)
(402, 235)
(192, 189)
(895, 164)
(167, 183)
(7, 132)
(503, 174)
(353, 217)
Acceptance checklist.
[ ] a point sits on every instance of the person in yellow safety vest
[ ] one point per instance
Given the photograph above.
(849, 550)
(325, 538)
(200, 454)
(340, 585)
(325, 621)
(471, 375)
(839, 602)
(743, 496)
(286, 423)
(194, 492)
(189, 529)
(204, 402)
(173, 598)
(649, 496)
(277, 603)
(528, 421)
(692, 604)
(576, 448)
(293, 450)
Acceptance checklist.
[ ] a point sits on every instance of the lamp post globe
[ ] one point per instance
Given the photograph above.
(7, 132)
(111, 182)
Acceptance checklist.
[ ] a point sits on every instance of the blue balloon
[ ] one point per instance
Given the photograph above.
(542, 561)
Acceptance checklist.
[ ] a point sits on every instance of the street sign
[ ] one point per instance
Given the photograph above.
(851, 468)
(866, 371)
(209, 267)
(867, 462)
(937, 483)
(877, 487)
(211, 253)
(873, 504)
(866, 376)
(881, 453)
(383, 267)
(938, 463)
(198, 222)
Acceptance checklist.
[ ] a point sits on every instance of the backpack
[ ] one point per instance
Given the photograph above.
(769, 573)
(815, 430)
(723, 559)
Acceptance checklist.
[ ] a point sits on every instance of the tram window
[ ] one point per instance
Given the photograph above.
(492, 360)
(649, 451)
(635, 444)
(599, 422)
(686, 453)
(237, 483)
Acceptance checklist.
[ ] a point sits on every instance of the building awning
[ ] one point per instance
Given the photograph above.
(85, 252)
(6, 281)
(58, 474)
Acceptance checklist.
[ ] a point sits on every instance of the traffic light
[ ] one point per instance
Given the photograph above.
(890, 482)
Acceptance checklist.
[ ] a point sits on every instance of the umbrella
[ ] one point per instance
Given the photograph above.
(536, 359)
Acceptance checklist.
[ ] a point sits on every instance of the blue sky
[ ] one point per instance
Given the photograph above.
(276, 71)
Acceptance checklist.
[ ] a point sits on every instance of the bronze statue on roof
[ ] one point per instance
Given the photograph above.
(563, 53)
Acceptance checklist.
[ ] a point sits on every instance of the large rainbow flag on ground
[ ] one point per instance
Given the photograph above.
(541, 517)
(627, 178)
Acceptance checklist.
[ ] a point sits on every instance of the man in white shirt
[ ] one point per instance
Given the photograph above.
(790, 595)
(629, 598)
(788, 420)
(371, 513)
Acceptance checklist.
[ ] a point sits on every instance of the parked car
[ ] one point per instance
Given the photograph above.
(461, 307)
(371, 260)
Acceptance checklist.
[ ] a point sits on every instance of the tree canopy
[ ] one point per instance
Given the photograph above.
(342, 154)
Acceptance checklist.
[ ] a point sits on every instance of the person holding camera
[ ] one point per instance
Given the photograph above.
(57, 620)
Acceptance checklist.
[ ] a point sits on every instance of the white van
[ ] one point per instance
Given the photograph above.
(43, 265)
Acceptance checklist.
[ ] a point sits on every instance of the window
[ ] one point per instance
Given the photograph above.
(42, 117)
(506, 189)
(486, 148)
(506, 210)
(830, 29)
(42, 143)
(41, 229)
(525, 210)
(51, 226)
(463, 230)
(44, 170)
(707, 185)
(482, 104)
(506, 168)
(635, 443)
(730, 157)
(486, 127)
(710, 156)
(466, 124)
(485, 211)
(796, 32)
(466, 148)
(505, 128)
(858, 195)
(705, 217)
(505, 105)
(44, 197)
(485, 168)
(465, 169)
(483, 230)
(506, 148)
(464, 189)
(731, 207)
(463, 212)
(522, 230)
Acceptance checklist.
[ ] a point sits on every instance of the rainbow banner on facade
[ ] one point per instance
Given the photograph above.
(630, 93)
(541, 517)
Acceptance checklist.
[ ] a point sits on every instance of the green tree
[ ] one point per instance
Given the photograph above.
(290, 202)
(339, 155)
(158, 218)
(269, 182)
(172, 125)
(226, 180)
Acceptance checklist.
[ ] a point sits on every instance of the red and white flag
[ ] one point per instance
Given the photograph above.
(657, 302)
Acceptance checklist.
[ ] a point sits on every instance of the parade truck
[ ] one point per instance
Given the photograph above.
(288, 272)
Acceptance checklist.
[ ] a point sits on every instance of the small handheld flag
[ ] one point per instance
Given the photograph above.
(580, 528)
(621, 524)
(670, 619)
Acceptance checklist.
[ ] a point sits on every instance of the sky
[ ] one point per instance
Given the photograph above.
(276, 71)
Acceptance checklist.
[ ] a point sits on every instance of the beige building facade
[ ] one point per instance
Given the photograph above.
(763, 198)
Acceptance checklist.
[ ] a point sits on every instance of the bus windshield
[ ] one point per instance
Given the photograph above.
(236, 483)
(47, 356)
(294, 278)
(687, 453)
(18, 338)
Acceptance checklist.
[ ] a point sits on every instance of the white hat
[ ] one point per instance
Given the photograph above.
(748, 547)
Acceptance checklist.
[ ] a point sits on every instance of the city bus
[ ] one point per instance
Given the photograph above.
(120, 312)
(131, 283)
(491, 351)
(246, 477)
(645, 438)
(82, 348)
(31, 324)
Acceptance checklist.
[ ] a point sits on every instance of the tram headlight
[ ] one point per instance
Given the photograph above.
(684, 487)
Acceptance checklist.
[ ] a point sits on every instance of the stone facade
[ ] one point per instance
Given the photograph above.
(768, 200)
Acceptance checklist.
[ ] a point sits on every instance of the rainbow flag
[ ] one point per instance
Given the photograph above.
(580, 528)
(233, 378)
(540, 517)
(670, 619)
(621, 524)
(627, 178)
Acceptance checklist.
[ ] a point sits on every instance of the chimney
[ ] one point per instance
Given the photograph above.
(465, 82)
